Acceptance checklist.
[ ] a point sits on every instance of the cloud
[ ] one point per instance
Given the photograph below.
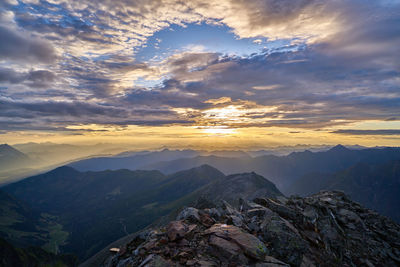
(341, 65)
(19, 47)
(32, 78)
(368, 132)
(53, 115)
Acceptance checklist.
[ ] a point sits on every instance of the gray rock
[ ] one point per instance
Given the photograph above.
(189, 214)
(250, 244)
(325, 229)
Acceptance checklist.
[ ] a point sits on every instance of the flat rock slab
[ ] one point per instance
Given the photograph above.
(250, 244)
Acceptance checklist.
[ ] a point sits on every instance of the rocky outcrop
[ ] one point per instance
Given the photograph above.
(326, 229)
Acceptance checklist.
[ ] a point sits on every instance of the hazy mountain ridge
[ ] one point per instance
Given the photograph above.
(131, 162)
(285, 170)
(11, 158)
(23, 160)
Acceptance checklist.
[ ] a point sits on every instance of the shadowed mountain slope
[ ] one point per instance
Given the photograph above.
(377, 186)
(230, 188)
(91, 209)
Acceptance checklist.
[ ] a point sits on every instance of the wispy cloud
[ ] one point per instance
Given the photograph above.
(369, 132)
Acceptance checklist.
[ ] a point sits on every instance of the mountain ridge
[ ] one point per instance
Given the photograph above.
(325, 229)
(101, 207)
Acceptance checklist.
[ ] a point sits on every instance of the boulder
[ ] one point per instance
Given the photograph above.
(250, 244)
(178, 229)
(285, 242)
(225, 247)
(189, 214)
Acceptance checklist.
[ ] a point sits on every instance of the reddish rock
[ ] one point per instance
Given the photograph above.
(176, 230)
(225, 246)
(206, 219)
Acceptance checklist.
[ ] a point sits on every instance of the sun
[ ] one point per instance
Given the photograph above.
(217, 130)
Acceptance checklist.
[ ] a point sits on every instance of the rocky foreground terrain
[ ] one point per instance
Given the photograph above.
(325, 229)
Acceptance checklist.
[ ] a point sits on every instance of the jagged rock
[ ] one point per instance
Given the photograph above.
(326, 229)
(272, 262)
(284, 240)
(206, 219)
(214, 213)
(155, 261)
(235, 220)
(256, 212)
(282, 210)
(178, 229)
(190, 214)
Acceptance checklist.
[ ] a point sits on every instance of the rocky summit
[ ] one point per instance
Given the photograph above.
(325, 229)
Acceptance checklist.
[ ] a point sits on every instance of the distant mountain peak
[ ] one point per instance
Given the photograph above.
(9, 151)
(339, 148)
(206, 167)
(64, 169)
(6, 147)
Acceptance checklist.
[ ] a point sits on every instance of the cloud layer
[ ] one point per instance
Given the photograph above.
(66, 63)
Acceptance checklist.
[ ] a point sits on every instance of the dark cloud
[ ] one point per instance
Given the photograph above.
(52, 108)
(16, 46)
(52, 115)
(33, 78)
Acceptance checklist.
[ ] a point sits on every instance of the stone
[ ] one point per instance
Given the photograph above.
(307, 262)
(226, 247)
(256, 212)
(125, 263)
(286, 244)
(348, 216)
(189, 214)
(175, 230)
(282, 210)
(155, 261)
(235, 220)
(203, 263)
(328, 230)
(310, 213)
(250, 244)
(271, 262)
(178, 229)
(214, 213)
(206, 219)
(228, 209)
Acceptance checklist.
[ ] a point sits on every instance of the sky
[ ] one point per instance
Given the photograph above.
(200, 73)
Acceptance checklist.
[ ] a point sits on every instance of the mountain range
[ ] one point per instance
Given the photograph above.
(81, 212)
(281, 170)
